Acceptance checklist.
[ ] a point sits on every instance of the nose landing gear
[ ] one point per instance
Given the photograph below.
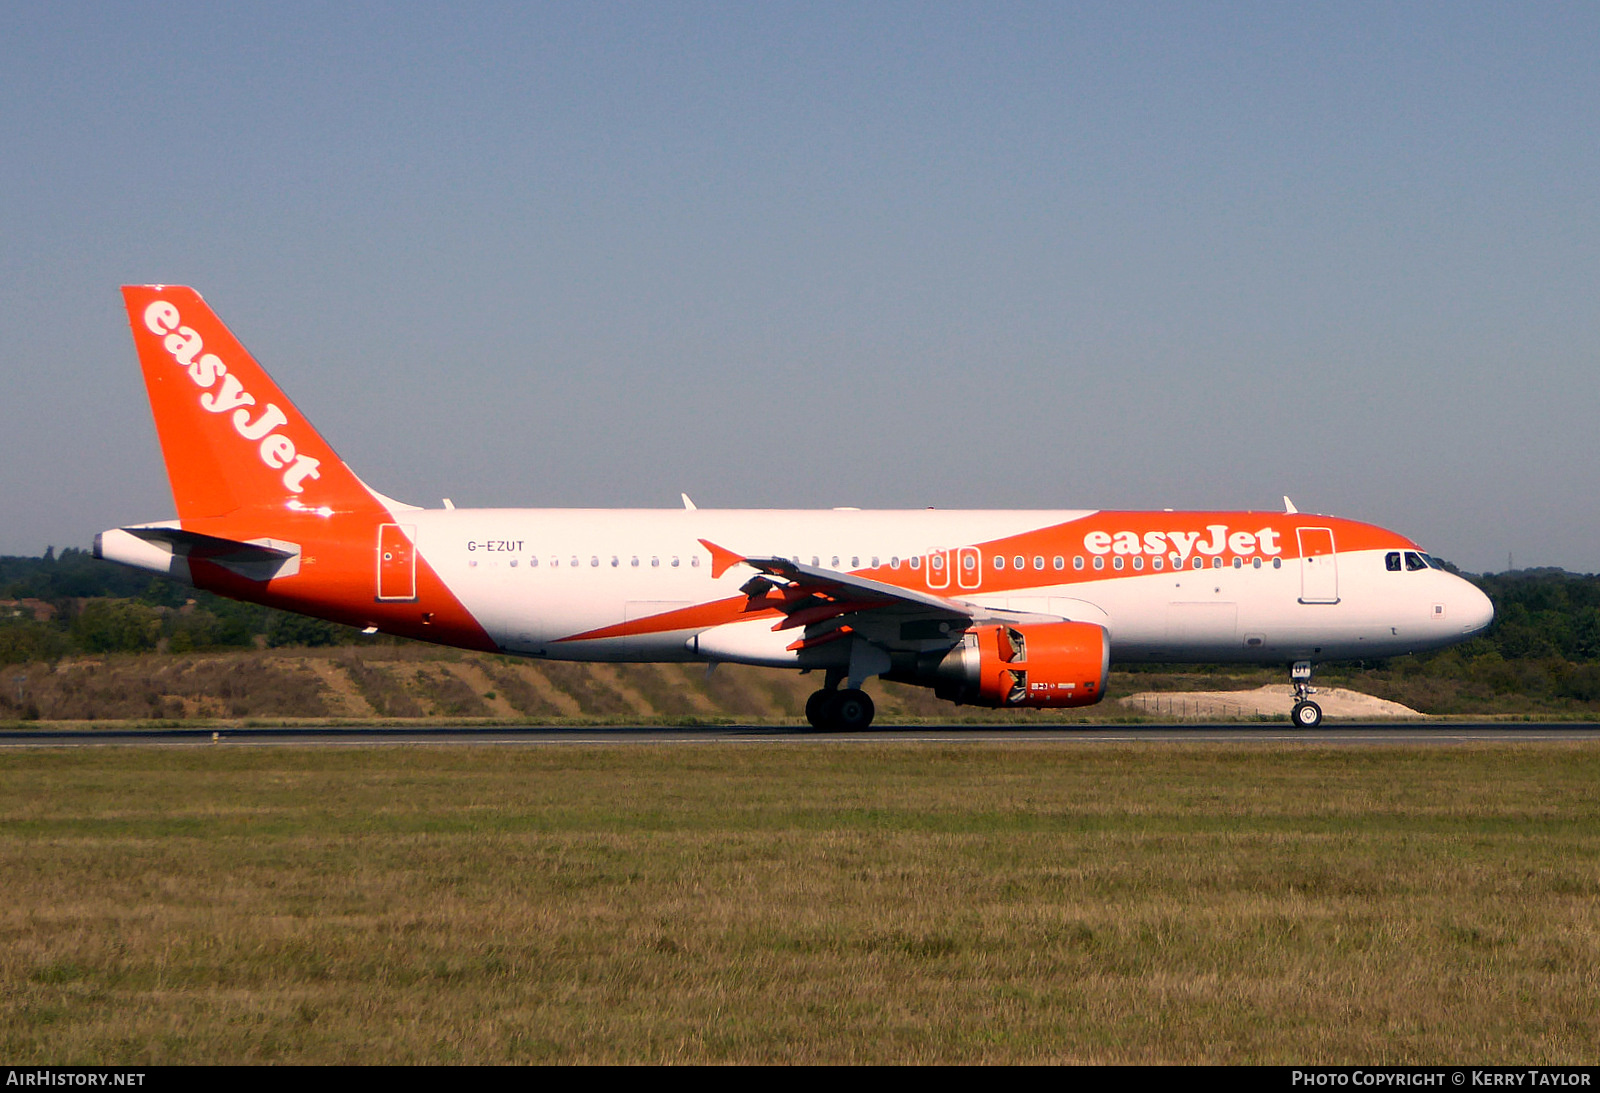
(1307, 714)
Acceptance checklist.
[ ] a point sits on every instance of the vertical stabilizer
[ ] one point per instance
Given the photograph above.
(231, 439)
(267, 511)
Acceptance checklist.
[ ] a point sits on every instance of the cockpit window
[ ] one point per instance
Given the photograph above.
(1414, 561)
(1391, 561)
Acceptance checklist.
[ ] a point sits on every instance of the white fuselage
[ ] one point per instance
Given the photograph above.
(535, 577)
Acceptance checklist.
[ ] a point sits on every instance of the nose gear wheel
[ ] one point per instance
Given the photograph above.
(1306, 714)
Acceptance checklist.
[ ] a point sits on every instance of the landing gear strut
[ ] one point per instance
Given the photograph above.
(835, 710)
(1307, 714)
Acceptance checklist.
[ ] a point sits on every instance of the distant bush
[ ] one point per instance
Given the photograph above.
(117, 626)
(286, 629)
(1581, 682)
(23, 640)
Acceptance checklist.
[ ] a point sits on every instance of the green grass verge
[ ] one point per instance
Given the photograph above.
(809, 902)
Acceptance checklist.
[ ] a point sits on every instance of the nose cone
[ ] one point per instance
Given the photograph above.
(1476, 611)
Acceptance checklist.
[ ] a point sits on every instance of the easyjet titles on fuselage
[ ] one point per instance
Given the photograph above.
(1215, 540)
(277, 451)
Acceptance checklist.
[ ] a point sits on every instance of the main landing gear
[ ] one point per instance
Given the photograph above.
(835, 710)
(1307, 714)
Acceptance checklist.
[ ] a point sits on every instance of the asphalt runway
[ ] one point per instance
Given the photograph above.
(1392, 733)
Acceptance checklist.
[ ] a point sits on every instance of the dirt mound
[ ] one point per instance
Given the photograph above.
(1276, 698)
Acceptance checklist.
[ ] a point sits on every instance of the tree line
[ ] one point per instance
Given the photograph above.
(73, 603)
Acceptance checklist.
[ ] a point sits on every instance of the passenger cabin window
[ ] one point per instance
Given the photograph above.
(999, 562)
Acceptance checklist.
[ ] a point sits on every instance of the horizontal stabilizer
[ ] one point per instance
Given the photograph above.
(192, 544)
(255, 560)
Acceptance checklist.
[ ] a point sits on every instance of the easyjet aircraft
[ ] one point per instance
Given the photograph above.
(1011, 609)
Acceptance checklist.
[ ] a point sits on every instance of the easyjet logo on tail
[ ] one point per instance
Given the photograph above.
(185, 346)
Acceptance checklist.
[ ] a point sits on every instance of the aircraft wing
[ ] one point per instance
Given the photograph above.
(829, 605)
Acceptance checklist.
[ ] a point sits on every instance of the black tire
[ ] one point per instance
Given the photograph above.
(850, 711)
(817, 709)
(1307, 715)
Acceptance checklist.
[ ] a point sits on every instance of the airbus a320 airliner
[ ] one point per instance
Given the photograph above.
(1005, 609)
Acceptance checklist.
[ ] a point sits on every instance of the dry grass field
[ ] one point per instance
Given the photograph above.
(388, 682)
(822, 901)
(444, 685)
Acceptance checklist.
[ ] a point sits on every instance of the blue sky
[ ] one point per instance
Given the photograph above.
(886, 255)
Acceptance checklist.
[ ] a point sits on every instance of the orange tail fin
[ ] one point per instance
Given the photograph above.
(268, 512)
(230, 437)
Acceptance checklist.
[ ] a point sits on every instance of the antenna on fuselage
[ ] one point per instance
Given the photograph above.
(1288, 506)
(688, 504)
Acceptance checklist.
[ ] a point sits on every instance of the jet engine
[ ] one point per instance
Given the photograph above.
(1053, 664)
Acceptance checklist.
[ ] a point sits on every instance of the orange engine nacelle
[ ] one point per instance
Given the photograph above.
(1051, 664)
